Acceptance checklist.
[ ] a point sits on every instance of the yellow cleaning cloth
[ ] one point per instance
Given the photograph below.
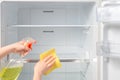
(57, 63)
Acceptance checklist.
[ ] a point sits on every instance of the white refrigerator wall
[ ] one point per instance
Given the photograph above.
(0, 25)
(69, 27)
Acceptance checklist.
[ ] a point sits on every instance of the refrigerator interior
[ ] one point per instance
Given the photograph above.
(69, 27)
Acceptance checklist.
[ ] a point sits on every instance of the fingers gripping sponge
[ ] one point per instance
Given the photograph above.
(57, 63)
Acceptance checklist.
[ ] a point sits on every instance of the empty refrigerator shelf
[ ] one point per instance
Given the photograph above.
(51, 35)
(63, 60)
(80, 26)
(108, 49)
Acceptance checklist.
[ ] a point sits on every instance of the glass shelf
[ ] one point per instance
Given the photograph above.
(108, 49)
(57, 0)
(62, 26)
(63, 60)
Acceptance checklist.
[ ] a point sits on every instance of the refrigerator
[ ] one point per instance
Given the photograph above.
(85, 34)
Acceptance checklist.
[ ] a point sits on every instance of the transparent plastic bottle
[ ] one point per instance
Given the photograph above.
(11, 70)
(13, 67)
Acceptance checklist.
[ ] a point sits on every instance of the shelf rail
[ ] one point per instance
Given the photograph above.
(62, 60)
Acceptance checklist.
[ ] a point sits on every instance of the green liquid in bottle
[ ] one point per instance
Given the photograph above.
(10, 73)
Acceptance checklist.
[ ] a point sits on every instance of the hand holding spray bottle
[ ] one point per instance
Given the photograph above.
(13, 67)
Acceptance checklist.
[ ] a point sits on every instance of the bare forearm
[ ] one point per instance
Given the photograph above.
(6, 50)
(37, 76)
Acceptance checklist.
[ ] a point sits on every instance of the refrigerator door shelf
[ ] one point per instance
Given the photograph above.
(108, 49)
(109, 12)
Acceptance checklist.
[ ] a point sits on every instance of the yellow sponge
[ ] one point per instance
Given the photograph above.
(57, 63)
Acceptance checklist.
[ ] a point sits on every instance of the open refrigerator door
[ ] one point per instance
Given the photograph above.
(109, 46)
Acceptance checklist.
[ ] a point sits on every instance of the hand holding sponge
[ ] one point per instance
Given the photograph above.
(57, 63)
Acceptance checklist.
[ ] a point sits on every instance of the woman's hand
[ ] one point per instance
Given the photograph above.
(21, 48)
(42, 66)
(18, 47)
